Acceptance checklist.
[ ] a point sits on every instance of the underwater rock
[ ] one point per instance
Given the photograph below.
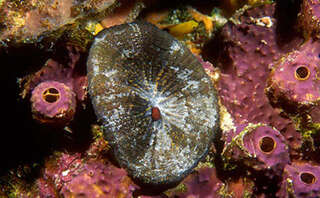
(53, 102)
(201, 183)
(258, 146)
(309, 18)
(301, 180)
(127, 12)
(46, 188)
(248, 47)
(243, 187)
(62, 167)
(294, 83)
(29, 21)
(99, 180)
(157, 106)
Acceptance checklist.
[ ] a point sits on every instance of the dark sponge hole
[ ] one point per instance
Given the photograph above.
(51, 95)
(267, 144)
(302, 73)
(307, 178)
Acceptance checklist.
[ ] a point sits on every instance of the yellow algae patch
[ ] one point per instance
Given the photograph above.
(98, 28)
(183, 28)
(94, 28)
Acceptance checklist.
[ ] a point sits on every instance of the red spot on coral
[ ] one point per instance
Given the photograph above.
(155, 113)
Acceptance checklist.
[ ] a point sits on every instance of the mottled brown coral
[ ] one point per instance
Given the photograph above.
(309, 18)
(136, 70)
(25, 21)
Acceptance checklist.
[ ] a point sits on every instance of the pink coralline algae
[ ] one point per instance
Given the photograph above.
(46, 188)
(53, 102)
(294, 83)
(249, 47)
(98, 180)
(300, 180)
(309, 18)
(85, 174)
(258, 146)
(61, 168)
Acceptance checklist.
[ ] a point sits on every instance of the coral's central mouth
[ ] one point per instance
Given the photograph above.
(307, 178)
(267, 144)
(302, 73)
(155, 113)
(51, 95)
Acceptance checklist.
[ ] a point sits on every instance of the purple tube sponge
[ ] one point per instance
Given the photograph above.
(71, 73)
(53, 102)
(249, 46)
(300, 180)
(258, 146)
(294, 83)
(309, 18)
(99, 180)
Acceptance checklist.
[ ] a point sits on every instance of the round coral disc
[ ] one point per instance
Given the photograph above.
(156, 103)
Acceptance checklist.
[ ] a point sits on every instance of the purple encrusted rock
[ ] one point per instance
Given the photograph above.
(301, 180)
(99, 180)
(258, 146)
(309, 18)
(46, 188)
(53, 102)
(294, 83)
(201, 183)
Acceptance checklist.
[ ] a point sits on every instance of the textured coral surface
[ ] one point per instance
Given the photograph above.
(157, 105)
